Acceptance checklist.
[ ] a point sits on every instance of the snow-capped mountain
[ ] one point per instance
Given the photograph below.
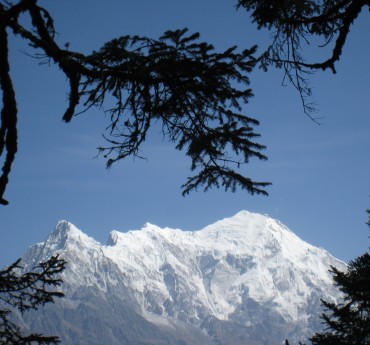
(247, 279)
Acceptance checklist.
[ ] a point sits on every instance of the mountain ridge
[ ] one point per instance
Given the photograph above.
(244, 279)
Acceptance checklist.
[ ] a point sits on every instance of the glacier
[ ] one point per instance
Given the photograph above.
(246, 279)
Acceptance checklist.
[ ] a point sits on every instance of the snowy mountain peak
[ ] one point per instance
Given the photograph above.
(60, 234)
(66, 237)
(253, 232)
(63, 231)
(150, 227)
(238, 278)
(65, 228)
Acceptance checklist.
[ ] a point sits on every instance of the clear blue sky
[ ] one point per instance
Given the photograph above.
(320, 174)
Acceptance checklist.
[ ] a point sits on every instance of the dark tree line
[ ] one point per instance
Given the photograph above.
(24, 291)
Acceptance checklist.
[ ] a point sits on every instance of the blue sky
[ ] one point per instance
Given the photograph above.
(320, 174)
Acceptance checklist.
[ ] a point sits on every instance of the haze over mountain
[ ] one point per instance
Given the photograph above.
(245, 280)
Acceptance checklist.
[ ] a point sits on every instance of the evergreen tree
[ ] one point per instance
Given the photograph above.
(183, 84)
(194, 92)
(299, 24)
(348, 323)
(25, 291)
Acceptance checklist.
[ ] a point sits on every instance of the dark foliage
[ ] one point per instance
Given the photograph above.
(348, 323)
(299, 23)
(25, 291)
(192, 91)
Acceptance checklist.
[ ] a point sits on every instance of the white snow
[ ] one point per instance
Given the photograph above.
(212, 271)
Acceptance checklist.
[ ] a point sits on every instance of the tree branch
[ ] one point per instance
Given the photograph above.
(8, 127)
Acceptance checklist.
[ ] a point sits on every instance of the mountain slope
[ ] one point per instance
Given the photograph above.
(243, 280)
